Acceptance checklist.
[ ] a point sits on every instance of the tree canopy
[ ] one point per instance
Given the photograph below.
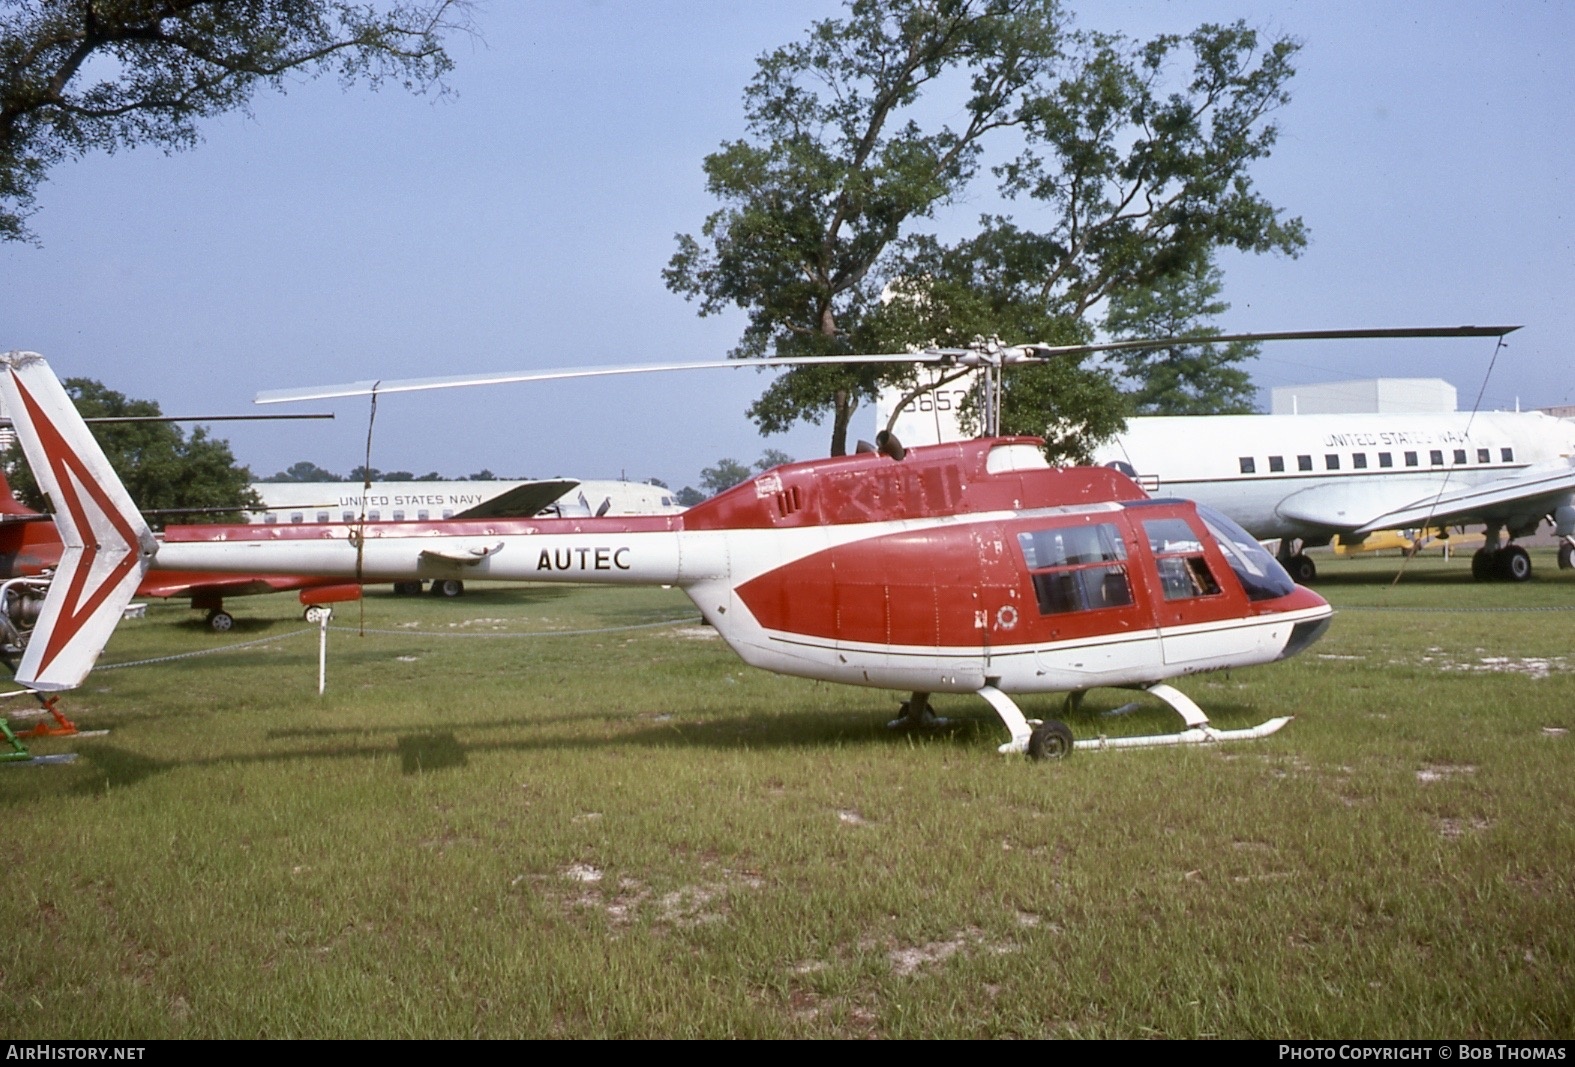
(726, 474)
(84, 75)
(164, 469)
(1130, 160)
(1195, 379)
(304, 471)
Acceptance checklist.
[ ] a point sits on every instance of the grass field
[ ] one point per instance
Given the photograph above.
(629, 833)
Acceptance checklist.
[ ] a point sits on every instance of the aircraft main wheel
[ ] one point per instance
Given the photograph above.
(1483, 565)
(448, 588)
(1566, 556)
(1514, 564)
(406, 588)
(1303, 570)
(1050, 740)
(221, 621)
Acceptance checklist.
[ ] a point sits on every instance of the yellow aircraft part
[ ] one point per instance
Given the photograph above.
(1404, 541)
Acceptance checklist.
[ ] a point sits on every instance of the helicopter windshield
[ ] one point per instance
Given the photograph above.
(1260, 573)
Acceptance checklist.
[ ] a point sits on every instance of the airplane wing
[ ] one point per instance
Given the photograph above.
(1531, 493)
(521, 502)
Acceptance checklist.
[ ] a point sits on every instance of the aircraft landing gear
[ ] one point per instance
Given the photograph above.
(220, 622)
(916, 713)
(1296, 563)
(1566, 556)
(1050, 739)
(448, 588)
(1508, 564)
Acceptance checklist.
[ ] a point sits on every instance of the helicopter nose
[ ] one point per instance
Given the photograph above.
(1311, 627)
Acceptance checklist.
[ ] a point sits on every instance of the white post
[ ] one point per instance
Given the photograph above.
(322, 648)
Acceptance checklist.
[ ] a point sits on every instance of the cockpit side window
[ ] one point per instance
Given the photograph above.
(1183, 571)
(1077, 568)
(1260, 574)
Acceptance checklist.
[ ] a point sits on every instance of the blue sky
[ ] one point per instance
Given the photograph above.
(523, 221)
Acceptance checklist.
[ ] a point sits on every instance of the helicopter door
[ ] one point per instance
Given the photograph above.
(1196, 592)
(1084, 601)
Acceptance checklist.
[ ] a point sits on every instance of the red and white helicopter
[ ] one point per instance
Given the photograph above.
(972, 567)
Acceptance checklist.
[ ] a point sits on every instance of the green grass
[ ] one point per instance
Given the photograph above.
(630, 833)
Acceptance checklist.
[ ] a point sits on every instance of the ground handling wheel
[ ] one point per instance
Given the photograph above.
(1050, 740)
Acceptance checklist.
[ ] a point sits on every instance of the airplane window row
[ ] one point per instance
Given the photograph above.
(271, 518)
(1332, 460)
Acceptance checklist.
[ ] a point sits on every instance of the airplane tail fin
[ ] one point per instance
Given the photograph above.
(9, 504)
(107, 545)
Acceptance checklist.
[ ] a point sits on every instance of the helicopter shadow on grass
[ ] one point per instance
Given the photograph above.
(436, 750)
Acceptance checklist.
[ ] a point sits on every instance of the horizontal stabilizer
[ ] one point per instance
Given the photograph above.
(469, 557)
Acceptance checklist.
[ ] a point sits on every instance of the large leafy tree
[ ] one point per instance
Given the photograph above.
(163, 468)
(85, 75)
(1190, 379)
(1126, 169)
(839, 161)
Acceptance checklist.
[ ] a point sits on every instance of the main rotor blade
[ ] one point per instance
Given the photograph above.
(411, 385)
(1290, 335)
(951, 356)
(105, 420)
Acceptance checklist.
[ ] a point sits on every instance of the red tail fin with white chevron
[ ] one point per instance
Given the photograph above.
(108, 546)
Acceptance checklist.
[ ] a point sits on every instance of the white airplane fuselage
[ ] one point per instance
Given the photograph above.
(1313, 476)
(297, 502)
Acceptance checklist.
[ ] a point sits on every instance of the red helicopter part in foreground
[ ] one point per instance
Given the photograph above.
(972, 567)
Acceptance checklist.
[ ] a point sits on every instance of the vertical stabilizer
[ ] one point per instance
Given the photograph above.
(107, 545)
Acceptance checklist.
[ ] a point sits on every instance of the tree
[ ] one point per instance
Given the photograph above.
(163, 469)
(304, 471)
(726, 474)
(1201, 379)
(772, 457)
(688, 496)
(83, 75)
(837, 167)
(1128, 171)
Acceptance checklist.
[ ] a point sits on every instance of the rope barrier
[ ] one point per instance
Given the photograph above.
(1455, 611)
(273, 638)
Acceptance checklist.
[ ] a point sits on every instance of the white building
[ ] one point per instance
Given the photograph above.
(1390, 396)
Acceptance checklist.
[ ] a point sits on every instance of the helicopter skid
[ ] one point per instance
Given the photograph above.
(1201, 735)
(1197, 732)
